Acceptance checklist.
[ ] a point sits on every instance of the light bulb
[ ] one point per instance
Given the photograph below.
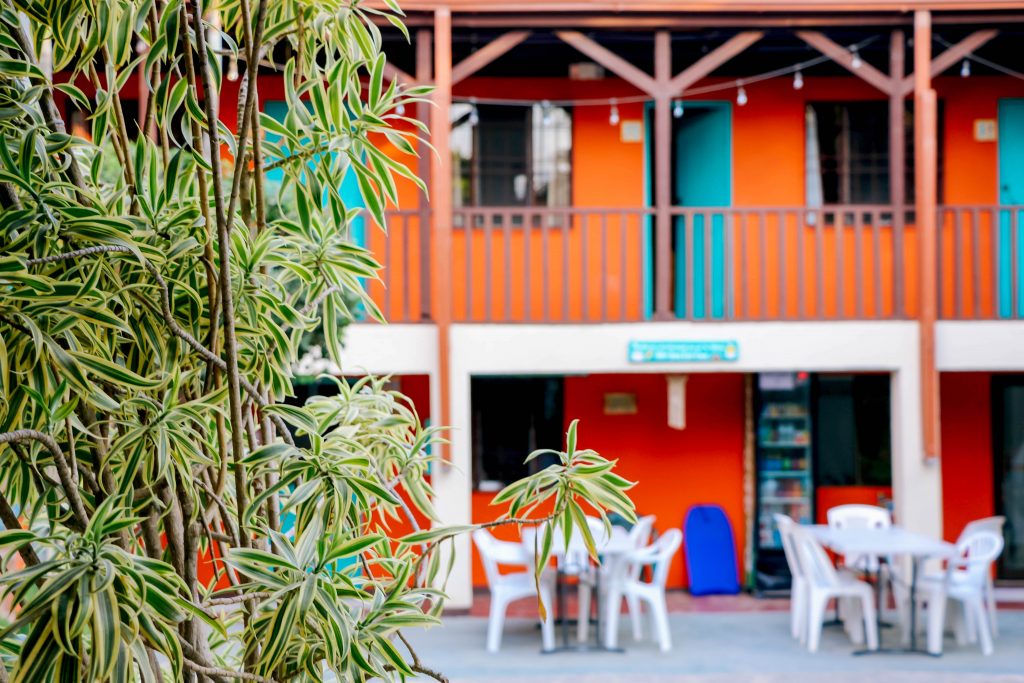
(613, 114)
(400, 109)
(856, 62)
(677, 109)
(232, 74)
(965, 69)
(741, 96)
(474, 116)
(545, 116)
(798, 80)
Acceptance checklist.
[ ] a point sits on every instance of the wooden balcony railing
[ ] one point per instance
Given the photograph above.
(583, 265)
(980, 252)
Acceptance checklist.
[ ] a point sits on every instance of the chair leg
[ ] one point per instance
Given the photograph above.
(636, 616)
(583, 612)
(797, 611)
(870, 622)
(990, 606)
(495, 623)
(659, 613)
(547, 625)
(936, 622)
(977, 607)
(815, 617)
(855, 620)
(612, 607)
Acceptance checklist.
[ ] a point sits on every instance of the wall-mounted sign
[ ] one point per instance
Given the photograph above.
(619, 404)
(984, 130)
(683, 351)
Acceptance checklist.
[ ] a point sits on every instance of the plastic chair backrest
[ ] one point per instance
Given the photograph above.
(859, 517)
(494, 553)
(640, 534)
(993, 524)
(976, 553)
(659, 554)
(817, 566)
(785, 523)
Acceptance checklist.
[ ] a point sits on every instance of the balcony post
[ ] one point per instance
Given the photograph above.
(897, 165)
(424, 73)
(926, 180)
(662, 177)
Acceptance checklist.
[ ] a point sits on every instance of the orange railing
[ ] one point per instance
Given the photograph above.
(593, 265)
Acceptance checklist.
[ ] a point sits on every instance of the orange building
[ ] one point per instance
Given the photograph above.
(810, 210)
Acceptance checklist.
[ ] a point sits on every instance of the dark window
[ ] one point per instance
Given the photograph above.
(512, 417)
(852, 152)
(852, 430)
(512, 155)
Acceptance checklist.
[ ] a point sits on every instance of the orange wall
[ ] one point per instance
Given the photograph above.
(674, 469)
(967, 474)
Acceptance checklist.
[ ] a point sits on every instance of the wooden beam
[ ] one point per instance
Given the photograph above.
(487, 54)
(663, 179)
(711, 61)
(926, 182)
(897, 161)
(424, 74)
(441, 202)
(611, 61)
(393, 73)
(952, 55)
(841, 56)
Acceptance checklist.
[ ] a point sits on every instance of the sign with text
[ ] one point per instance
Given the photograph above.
(683, 351)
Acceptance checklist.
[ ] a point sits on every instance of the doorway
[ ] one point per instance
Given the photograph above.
(701, 177)
(1011, 193)
(1008, 452)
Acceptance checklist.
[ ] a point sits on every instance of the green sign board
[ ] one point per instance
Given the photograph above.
(683, 351)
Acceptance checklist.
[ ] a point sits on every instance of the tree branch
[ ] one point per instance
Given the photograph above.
(63, 471)
(11, 521)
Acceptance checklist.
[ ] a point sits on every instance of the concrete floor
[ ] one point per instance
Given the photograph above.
(751, 647)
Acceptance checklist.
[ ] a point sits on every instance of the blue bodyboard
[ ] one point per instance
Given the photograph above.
(710, 551)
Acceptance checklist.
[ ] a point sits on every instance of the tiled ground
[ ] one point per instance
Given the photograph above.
(715, 640)
(678, 601)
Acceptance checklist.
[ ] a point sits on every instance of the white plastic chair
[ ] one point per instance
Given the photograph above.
(860, 517)
(825, 584)
(507, 588)
(964, 581)
(995, 525)
(639, 536)
(658, 555)
(798, 586)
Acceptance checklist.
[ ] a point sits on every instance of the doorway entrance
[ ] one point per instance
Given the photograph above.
(1011, 193)
(1008, 452)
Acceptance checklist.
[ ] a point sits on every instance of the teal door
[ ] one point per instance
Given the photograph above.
(702, 177)
(1011, 194)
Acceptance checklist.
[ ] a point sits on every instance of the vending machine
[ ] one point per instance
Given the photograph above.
(785, 482)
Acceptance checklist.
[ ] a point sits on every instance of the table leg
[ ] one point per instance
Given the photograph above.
(560, 587)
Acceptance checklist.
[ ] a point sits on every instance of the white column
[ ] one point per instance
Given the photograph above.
(916, 483)
(453, 484)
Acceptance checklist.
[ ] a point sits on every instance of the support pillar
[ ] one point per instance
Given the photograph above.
(662, 177)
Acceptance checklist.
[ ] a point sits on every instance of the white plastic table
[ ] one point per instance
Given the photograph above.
(575, 562)
(893, 541)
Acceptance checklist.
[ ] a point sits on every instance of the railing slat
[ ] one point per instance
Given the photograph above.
(470, 228)
(801, 304)
(976, 263)
(876, 261)
(858, 261)
(387, 278)
(544, 270)
(997, 267)
(584, 312)
(762, 218)
(623, 246)
(819, 263)
(729, 305)
(565, 266)
(744, 266)
(406, 268)
(1014, 289)
(958, 265)
(708, 278)
(604, 266)
(488, 270)
(783, 313)
(840, 222)
(506, 226)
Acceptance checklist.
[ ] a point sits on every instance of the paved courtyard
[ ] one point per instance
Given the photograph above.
(714, 647)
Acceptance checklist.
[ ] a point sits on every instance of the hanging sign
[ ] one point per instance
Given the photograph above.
(683, 351)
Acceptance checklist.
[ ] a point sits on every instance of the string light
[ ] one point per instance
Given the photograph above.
(798, 80)
(677, 109)
(856, 62)
(741, 94)
(613, 113)
(474, 115)
(965, 69)
(232, 74)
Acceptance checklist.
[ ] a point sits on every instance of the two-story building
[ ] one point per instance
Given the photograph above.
(808, 197)
(769, 253)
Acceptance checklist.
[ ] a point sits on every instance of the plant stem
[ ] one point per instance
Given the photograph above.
(63, 471)
(11, 521)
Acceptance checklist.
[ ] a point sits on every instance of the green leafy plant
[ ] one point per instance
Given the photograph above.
(154, 298)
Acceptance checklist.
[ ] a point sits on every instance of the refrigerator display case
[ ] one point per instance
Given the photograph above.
(785, 482)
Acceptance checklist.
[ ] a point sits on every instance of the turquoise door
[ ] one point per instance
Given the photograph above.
(702, 177)
(1011, 193)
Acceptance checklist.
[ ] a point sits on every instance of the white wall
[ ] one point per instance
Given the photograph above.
(989, 345)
